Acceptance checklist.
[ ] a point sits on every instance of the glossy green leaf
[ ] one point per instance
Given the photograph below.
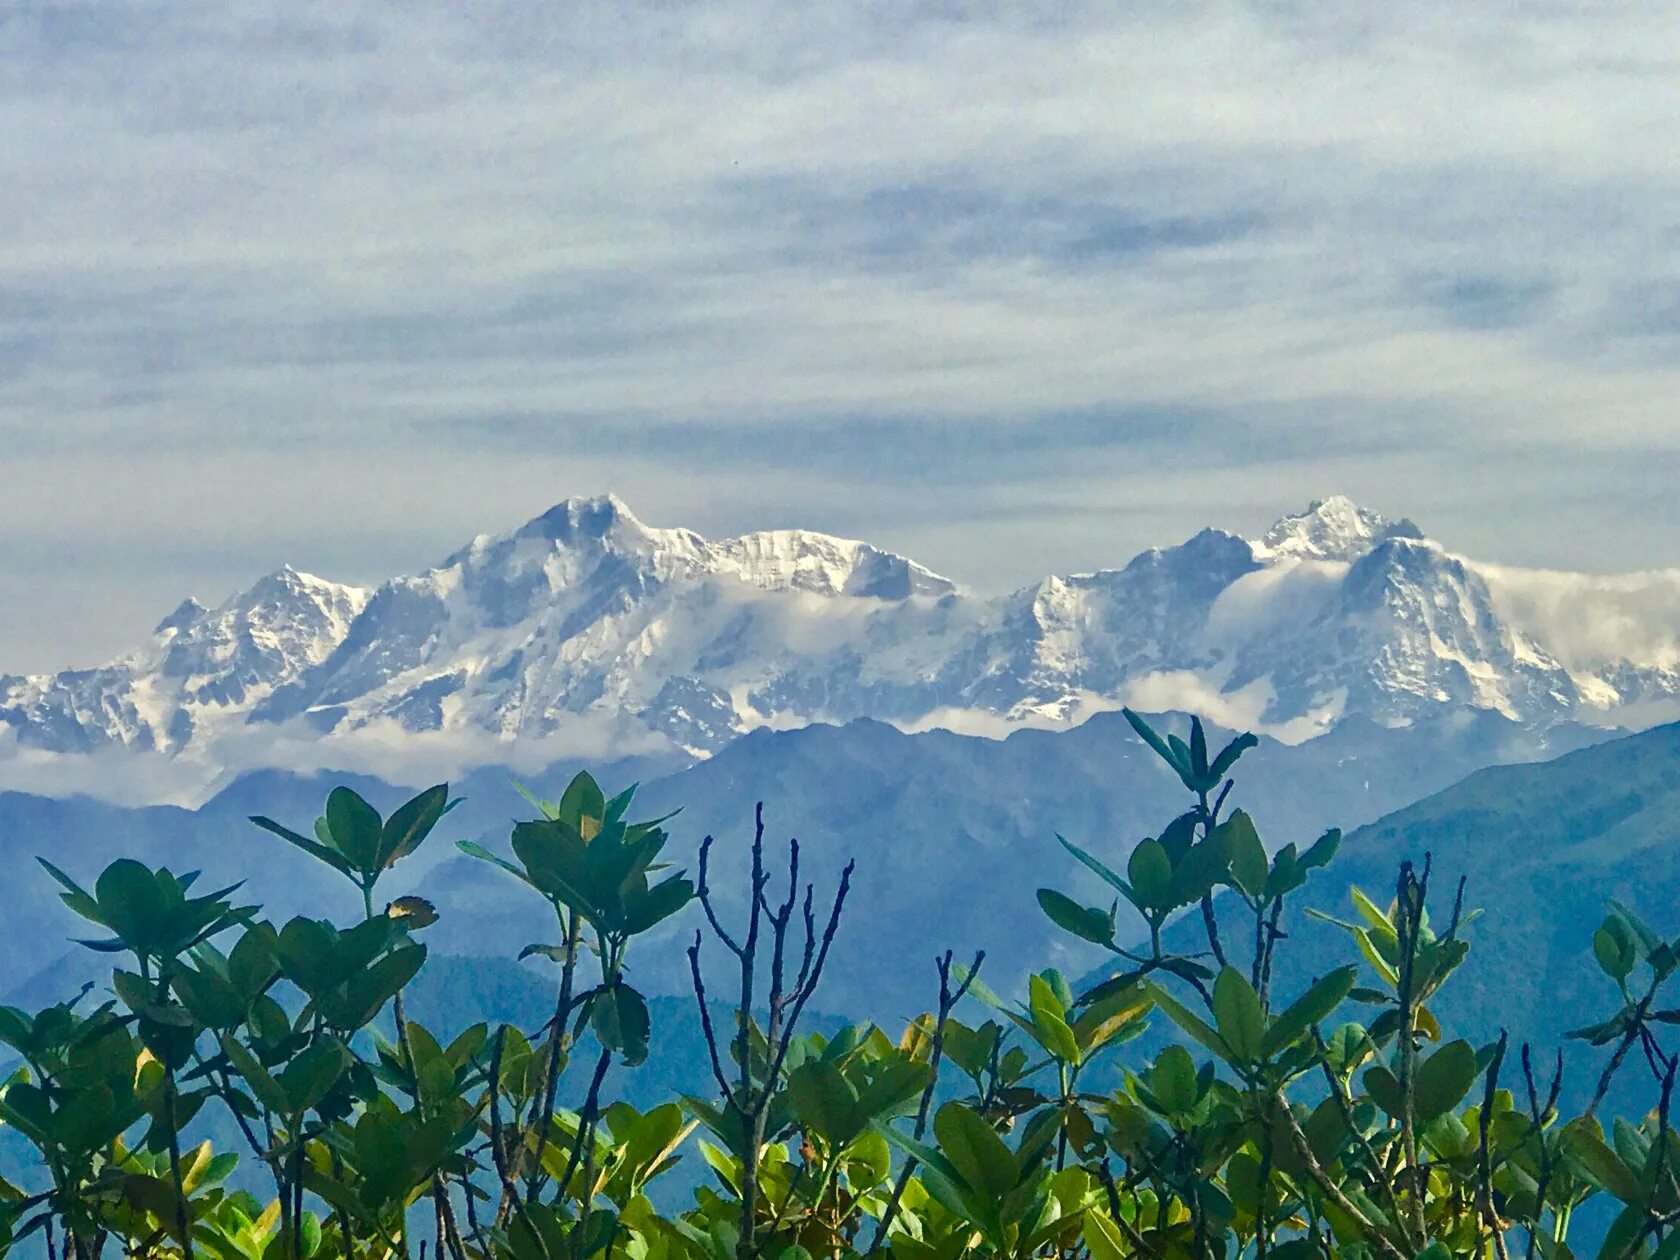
(356, 829)
(1310, 1008)
(1189, 1021)
(620, 1019)
(1150, 872)
(1444, 1078)
(1088, 923)
(1587, 1152)
(410, 824)
(975, 1151)
(314, 848)
(1238, 1016)
(1249, 867)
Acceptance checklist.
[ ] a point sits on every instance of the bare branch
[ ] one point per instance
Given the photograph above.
(948, 998)
(706, 1016)
(703, 891)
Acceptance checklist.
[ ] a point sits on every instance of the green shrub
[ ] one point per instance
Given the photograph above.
(1270, 1123)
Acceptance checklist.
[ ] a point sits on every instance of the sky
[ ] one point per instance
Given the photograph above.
(1012, 289)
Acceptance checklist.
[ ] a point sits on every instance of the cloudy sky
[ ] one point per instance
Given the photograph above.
(1014, 289)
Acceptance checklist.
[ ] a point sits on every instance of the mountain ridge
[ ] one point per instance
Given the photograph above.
(586, 631)
(951, 832)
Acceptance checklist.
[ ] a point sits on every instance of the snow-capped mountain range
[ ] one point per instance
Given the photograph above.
(586, 629)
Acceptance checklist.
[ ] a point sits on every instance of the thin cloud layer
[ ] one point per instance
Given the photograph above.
(1085, 282)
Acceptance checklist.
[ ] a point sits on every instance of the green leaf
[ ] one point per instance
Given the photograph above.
(473, 849)
(251, 963)
(1237, 1012)
(554, 953)
(1150, 871)
(1376, 949)
(1348, 1046)
(412, 822)
(1614, 950)
(1311, 1007)
(1204, 866)
(1049, 1020)
(309, 955)
(1181, 760)
(826, 1102)
(1172, 1079)
(975, 1150)
(15, 1028)
(1646, 938)
(583, 798)
(658, 903)
(213, 1001)
(1249, 867)
(307, 1078)
(944, 1183)
(138, 996)
(1373, 914)
(255, 1076)
(1189, 1021)
(314, 848)
(1228, 756)
(356, 829)
(1095, 864)
(75, 896)
(1088, 923)
(1322, 850)
(1286, 875)
(1585, 1149)
(1103, 1239)
(369, 990)
(1147, 733)
(554, 855)
(1198, 750)
(1444, 1078)
(134, 903)
(1624, 1231)
(1384, 1089)
(620, 1019)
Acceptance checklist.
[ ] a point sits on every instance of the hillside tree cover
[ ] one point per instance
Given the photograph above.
(1339, 1119)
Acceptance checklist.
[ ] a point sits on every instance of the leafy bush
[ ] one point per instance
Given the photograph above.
(1263, 1125)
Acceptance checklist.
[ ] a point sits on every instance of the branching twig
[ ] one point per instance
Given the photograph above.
(948, 998)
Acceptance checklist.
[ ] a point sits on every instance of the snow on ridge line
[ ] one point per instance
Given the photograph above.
(586, 615)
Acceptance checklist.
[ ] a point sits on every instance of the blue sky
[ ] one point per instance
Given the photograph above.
(1011, 288)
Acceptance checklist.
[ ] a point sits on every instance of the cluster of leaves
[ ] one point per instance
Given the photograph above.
(1270, 1123)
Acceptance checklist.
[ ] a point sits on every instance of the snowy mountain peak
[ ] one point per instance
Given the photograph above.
(603, 520)
(771, 560)
(796, 559)
(186, 612)
(287, 584)
(587, 628)
(1336, 528)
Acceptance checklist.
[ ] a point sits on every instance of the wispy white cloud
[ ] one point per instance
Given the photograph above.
(383, 750)
(346, 283)
(1591, 621)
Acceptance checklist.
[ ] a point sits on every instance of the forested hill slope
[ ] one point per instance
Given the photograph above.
(951, 834)
(1542, 848)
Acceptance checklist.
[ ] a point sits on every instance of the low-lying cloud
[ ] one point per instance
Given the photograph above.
(384, 750)
(1590, 621)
